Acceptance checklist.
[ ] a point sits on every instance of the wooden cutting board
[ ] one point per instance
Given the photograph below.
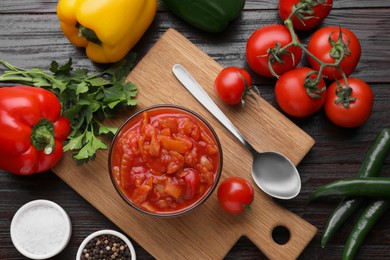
(208, 232)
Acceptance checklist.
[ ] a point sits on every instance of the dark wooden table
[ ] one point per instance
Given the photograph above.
(30, 37)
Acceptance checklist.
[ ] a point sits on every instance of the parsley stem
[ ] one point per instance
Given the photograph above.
(16, 79)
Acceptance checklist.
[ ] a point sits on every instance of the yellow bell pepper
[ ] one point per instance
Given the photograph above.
(108, 29)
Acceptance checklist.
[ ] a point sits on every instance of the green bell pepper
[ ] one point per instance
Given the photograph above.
(208, 15)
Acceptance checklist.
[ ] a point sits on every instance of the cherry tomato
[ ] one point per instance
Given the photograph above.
(291, 93)
(235, 194)
(325, 45)
(350, 113)
(231, 83)
(265, 40)
(307, 17)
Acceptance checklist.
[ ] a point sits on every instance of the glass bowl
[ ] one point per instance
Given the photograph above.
(165, 160)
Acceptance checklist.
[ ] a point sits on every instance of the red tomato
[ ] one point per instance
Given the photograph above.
(231, 84)
(325, 43)
(358, 111)
(308, 17)
(234, 194)
(291, 93)
(262, 41)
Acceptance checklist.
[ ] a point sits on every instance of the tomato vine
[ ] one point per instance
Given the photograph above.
(333, 53)
(339, 48)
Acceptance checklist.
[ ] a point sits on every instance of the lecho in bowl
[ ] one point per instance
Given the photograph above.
(165, 160)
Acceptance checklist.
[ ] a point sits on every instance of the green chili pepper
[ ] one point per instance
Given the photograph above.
(364, 224)
(372, 163)
(343, 211)
(369, 187)
(208, 15)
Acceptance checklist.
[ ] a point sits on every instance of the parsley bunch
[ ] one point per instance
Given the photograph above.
(86, 99)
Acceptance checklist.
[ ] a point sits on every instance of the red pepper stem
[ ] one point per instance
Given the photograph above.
(42, 136)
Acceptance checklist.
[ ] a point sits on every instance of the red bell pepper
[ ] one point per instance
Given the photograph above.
(31, 129)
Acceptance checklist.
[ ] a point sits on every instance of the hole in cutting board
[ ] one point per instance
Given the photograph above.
(281, 235)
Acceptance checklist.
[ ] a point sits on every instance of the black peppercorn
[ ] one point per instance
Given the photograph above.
(105, 247)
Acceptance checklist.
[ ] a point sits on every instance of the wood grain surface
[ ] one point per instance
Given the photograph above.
(30, 37)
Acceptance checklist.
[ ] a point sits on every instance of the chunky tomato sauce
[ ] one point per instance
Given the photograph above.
(165, 161)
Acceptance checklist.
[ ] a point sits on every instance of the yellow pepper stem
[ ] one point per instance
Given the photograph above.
(89, 34)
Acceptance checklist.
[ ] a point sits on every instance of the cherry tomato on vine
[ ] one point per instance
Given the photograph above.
(309, 14)
(264, 44)
(291, 92)
(349, 107)
(235, 194)
(231, 85)
(326, 44)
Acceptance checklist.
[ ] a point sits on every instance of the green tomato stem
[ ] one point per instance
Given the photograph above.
(295, 42)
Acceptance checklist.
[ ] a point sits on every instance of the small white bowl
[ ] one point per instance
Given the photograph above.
(106, 232)
(40, 229)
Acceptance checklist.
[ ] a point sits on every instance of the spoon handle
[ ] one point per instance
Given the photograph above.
(201, 95)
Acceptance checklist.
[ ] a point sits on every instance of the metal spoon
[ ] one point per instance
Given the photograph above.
(272, 172)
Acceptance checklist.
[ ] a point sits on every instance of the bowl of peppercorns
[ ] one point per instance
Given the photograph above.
(106, 244)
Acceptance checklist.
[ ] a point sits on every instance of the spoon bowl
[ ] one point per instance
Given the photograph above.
(272, 172)
(275, 175)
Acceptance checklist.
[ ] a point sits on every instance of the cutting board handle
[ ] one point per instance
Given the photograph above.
(292, 232)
